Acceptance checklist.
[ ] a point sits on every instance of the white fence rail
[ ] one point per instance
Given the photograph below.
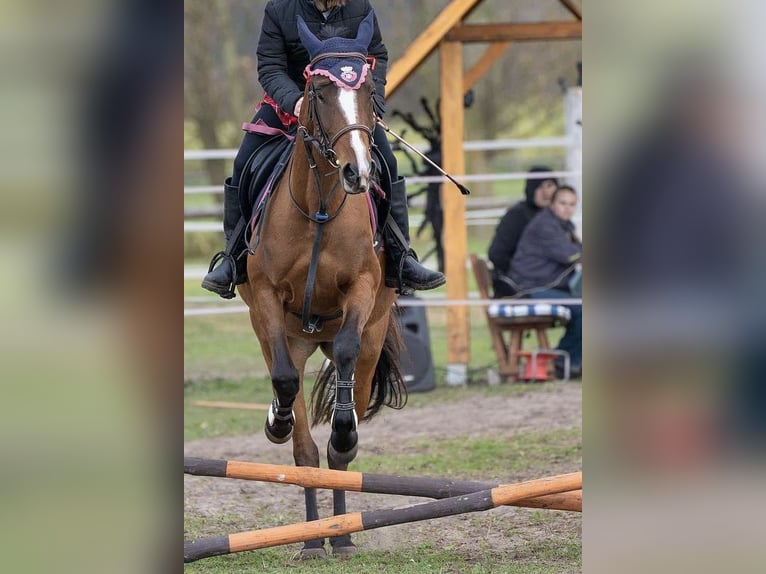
(477, 213)
(475, 145)
(402, 302)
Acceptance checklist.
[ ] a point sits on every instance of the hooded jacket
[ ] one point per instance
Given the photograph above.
(282, 58)
(546, 250)
(509, 231)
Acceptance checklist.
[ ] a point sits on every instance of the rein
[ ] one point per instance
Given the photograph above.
(324, 145)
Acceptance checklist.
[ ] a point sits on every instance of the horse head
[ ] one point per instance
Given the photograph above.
(338, 110)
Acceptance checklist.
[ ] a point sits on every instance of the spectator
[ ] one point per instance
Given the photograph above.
(546, 261)
(538, 194)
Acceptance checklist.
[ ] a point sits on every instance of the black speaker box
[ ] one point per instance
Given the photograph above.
(417, 363)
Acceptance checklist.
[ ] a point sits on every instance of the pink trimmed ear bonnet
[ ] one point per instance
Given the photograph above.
(348, 73)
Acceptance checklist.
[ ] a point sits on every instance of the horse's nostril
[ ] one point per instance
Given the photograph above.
(350, 174)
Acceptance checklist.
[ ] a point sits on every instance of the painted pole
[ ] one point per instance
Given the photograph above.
(310, 477)
(369, 520)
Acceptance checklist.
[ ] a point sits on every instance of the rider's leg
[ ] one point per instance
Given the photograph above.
(233, 267)
(403, 268)
(223, 278)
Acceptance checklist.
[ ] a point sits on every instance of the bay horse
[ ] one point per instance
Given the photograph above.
(315, 280)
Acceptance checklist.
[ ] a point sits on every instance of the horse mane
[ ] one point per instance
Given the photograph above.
(388, 387)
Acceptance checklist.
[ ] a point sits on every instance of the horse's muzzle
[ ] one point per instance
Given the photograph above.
(353, 181)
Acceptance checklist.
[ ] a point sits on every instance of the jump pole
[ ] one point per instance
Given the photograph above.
(310, 477)
(371, 519)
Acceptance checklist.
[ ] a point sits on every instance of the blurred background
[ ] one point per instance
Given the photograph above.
(674, 421)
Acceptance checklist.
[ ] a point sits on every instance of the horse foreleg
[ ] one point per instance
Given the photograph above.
(267, 318)
(342, 445)
(367, 360)
(285, 381)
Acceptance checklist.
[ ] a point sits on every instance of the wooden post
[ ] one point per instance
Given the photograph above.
(573, 123)
(455, 237)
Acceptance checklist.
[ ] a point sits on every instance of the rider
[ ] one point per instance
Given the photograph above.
(281, 61)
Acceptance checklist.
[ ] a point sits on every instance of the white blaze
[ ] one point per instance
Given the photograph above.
(347, 100)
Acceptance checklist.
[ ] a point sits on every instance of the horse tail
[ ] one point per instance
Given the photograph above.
(388, 387)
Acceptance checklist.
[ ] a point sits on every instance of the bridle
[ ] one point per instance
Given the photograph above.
(324, 143)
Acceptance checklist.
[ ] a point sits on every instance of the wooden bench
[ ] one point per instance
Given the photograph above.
(509, 319)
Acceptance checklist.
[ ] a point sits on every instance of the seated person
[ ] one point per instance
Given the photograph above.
(538, 194)
(546, 263)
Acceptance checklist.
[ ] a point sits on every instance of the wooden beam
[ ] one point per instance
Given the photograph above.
(518, 32)
(483, 64)
(573, 8)
(424, 45)
(455, 236)
(310, 477)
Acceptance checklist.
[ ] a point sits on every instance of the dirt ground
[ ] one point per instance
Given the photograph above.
(504, 530)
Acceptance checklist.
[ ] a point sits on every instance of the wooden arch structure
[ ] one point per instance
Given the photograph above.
(448, 33)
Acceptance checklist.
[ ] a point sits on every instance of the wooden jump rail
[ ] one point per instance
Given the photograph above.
(371, 519)
(310, 477)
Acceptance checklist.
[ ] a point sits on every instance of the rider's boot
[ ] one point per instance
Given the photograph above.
(233, 267)
(403, 271)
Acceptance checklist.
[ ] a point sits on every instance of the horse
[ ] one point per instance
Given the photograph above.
(315, 278)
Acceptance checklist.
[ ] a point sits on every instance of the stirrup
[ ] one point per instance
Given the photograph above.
(395, 280)
(228, 292)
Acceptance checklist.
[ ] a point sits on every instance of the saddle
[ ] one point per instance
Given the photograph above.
(262, 172)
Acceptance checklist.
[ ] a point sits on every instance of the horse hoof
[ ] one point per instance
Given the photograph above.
(341, 457)
(311, 554)
(276, 439)
(274, 420)
(344, 551)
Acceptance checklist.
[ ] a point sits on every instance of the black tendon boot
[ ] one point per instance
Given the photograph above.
(402, 267)
(233, 267)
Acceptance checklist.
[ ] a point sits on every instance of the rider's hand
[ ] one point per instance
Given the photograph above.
(297, 110)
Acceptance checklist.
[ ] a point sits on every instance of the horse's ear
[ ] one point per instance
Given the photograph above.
(366, 28)
(312, 44)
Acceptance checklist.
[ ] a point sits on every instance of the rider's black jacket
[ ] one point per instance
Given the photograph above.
(282, 58)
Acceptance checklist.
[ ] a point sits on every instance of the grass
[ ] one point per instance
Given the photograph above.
(483, 456)
(205, 422)
(225, 346)
(541, 558)
(223, 362)
(559, 550)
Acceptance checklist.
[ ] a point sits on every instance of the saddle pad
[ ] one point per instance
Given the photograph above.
(262, 170)
(558, 313)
